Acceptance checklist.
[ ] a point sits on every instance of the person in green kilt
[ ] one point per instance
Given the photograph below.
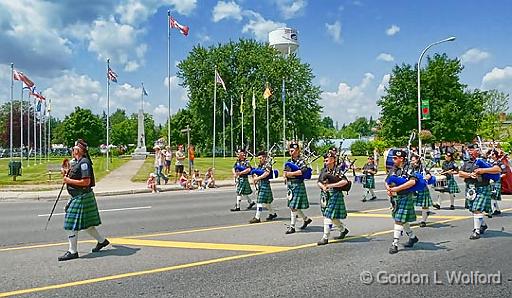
(497, 157)
(478, 189)
(369, 171)
(332, 203)
(241, 170)
(449, 168)
(265, 197)
(423, 198)
(402, 200)
(297, 196)
(81, 209)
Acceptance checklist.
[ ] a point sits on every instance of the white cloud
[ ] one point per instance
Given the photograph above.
(384, 83)
(394, 29)
(347, 102)
(259, 26)
(385, 57)
(160, 114)
(291, 8)
(499, 79)
(226, 10)
(474, 55)
(184, 7)
(334, 31)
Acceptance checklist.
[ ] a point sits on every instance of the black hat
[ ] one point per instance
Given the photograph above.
(293, 145)
(329, 154)
(399, 153)
(262, 153)
(240, 150)
(472, 146)
(370, 157)
(450, 154)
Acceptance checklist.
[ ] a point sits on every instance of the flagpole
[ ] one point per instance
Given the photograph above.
(40, 137)
(10, 121)
(28, 132)
(214, 106)
(242, 111)
(142, 97)
(231, 126)
(108, 107)
(253, 123)
(284, 118)
(35, 133)
(21, 125)
(49, 128)
(268, 135)
(224, 127)
(169, 76)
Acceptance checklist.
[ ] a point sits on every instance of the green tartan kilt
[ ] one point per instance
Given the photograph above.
(423, 198)
(404, 208)
(482, 202)
(370, 182)
(297, 196)
(82, 213)
(243, 187)
(264, 193)
(333, 204)
(496, 191)
(452, 185)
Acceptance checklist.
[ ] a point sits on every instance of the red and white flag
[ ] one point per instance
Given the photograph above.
(174, 24)
(219, 80)
(19, 76)
(37, 95)
(111, 75)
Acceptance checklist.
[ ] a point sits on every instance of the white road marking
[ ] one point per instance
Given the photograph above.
(106, 210)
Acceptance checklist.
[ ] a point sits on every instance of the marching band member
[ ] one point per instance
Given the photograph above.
(81, 209)
(423, 198)
(331, 198)
(241, 170)
(478, 190)
(496, 193)
(403, 207)
(449, 168)
(265, 197)
(297, 196)
(369, 170)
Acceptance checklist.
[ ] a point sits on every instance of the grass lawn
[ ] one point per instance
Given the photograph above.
(224, 165)
(38, 174)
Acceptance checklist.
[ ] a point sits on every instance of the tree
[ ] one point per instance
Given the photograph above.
(495, 103)
(82, 124)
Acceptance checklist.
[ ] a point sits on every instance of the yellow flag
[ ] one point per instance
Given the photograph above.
(267, 93)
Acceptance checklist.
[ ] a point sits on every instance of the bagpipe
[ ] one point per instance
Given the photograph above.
(260, 171)
(481, 163)
(291, 167)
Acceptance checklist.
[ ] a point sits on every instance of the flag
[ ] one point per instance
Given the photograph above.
(111, 75)
(174, 24)
(19, 76)
(231, 110)
(219, 80)
(267, 93)
(283, 91)
(225, 107)
(144, 91)
(253, 101)
(37, 95)
(241, 103)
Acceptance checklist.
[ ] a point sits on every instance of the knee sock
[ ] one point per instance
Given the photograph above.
(259, 208)
(293, 219)
(439, 199)
(94, 234)
(73, 241)
(339, 224)
(398, 229)
(269, 208)
(327, 227)
(248, 199)
(424, 214)
(408, 231)
(452, 199)
(372, 193)
(238, 200)
(301, 214)
(478, 219)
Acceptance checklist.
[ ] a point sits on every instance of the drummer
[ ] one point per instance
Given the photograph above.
(449, 168)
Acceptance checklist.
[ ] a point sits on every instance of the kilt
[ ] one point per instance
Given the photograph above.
(334, 204)
(423, 198)
(496, 191)
(243, 187)
(82, 212)
(297, 196)
(264, 193)
(404, 208)
(452, 185)
(370, 182)
(482, 202)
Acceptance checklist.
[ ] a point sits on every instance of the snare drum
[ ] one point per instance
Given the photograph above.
(441, 184)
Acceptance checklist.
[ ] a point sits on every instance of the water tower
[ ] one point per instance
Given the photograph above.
(286, 41)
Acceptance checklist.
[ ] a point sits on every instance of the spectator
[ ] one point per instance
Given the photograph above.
(437, 156)
(180, 156)
(184, 181)
(376, 156)
(197, 181)
(168, 160)
(159, 165)
(209, 180)
(152, 182)
(191, 157)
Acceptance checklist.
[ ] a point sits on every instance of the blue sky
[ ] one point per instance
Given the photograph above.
(351, 46)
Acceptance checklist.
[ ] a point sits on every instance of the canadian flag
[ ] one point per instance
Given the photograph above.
(19, 76)
(174, 24)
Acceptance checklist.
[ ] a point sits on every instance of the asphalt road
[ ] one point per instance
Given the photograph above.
(189, 244)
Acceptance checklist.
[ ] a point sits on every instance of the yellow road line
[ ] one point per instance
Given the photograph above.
(198, 245)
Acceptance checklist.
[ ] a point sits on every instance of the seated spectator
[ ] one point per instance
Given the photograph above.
(209, 180)
(196, 180)
(152, 182)
(184, 181)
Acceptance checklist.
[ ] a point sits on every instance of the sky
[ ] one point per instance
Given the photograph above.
(351, 46)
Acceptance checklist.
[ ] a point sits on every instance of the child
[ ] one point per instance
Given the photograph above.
(196, 179)
(209, 181)
(152, 182)
(184, 182)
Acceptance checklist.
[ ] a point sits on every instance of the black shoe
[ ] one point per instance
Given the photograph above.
(290, 230)
(234, 209)
(251, 204)
(483, 228)
(475, 235)
(68, 256)
(254, 220)
(496, 212)
(393, 249)
(343, 234)
(373, 198)
(452, 207)
(489, 215)
(437, 206)
(323, 241)
(272, 217)
(101, 245)
(306, 223)
(363, 200)
(411, 242)
(423, 224)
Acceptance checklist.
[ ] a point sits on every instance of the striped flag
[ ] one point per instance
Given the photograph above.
(111, 75)
(219, 80)
(174, 24)
(19, 76)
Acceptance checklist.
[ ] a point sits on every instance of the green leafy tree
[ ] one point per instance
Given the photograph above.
(495, 103)
(82, 123)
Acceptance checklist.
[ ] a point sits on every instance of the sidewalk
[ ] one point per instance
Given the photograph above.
(118, 182)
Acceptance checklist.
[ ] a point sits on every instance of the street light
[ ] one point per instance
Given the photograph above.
(419, 90)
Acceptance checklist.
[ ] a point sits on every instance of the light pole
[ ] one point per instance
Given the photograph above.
(419, 90)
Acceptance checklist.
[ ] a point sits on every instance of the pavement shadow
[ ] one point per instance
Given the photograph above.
(436, 225)
(311, 229)
(496, 233)
(357, 239)
(431, 246)
(116, 250)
